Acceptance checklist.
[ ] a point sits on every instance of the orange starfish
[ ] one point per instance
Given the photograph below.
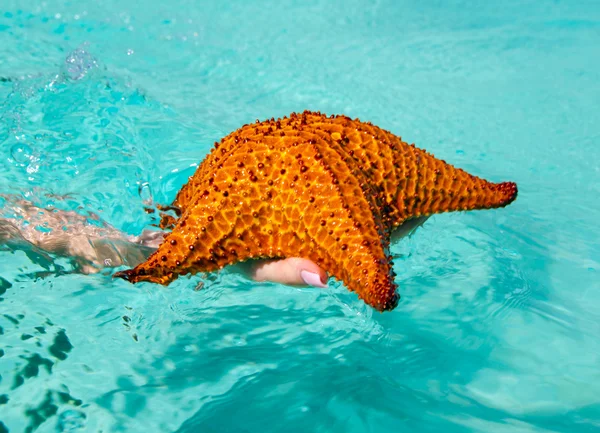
(329, 189)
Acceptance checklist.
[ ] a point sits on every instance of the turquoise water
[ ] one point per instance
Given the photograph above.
(114, 103)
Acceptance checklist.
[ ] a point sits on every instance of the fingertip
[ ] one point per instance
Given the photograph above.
(312, 279)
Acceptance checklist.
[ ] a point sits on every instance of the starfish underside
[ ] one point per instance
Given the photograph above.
(329, 189)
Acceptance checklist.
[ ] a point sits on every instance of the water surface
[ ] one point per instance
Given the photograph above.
(112, 104)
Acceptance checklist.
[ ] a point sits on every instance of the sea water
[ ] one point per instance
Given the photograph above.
(107, 108)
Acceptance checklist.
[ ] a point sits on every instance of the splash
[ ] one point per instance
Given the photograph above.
(79, 63)
(81, 133)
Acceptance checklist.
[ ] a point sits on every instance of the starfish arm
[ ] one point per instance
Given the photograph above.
(410, 182)
(224, 221)
(427, 186)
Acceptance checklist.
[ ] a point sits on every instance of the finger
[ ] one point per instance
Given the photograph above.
(292, 271)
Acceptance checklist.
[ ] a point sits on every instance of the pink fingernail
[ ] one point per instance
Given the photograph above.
(312, 279)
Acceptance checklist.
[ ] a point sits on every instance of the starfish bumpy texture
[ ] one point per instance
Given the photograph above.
(329, 189)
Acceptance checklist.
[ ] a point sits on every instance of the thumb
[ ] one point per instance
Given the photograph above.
(292, 271)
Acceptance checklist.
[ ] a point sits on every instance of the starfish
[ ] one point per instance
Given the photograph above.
(329, 189)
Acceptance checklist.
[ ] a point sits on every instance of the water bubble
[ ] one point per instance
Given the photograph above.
(70, 421)
(130, 52)
(21, 153)
(145, 193)
(78, 63)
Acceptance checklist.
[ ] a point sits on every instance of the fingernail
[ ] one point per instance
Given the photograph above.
(312, 279)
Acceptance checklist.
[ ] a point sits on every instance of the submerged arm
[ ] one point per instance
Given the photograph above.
(92, 248)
